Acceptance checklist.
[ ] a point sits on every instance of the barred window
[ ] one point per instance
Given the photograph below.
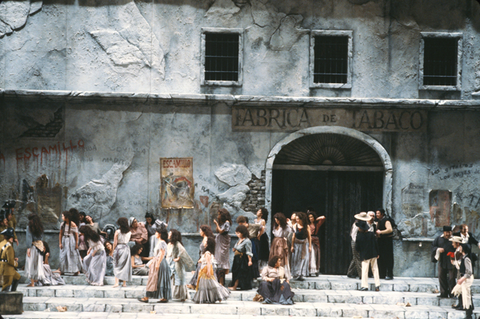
(222, 56)
(440, 61)
(331, 59)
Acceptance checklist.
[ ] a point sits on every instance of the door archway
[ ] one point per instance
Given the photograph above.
(338, 171)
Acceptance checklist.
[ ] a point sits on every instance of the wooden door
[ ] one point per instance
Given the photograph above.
(338, 195)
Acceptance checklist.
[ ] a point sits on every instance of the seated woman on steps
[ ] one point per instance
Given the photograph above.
(275, 287)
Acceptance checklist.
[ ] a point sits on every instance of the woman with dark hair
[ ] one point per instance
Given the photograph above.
(138, 267)
(179, 262)
(222, 244)
(314, 224)
(275, 287)
(94, 264)
(151, 228)
(158, 284)
(52, 278)
(263, 249)
(208, 288)
(205, 232)
(34, 260)
(301, 248)
(242, 261)
(70, 260)
(75, 216)
(281, 231)
(122, 265)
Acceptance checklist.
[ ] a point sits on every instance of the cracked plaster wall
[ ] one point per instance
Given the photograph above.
(128, 46)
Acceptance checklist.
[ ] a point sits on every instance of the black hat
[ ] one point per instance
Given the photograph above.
(447, 228)
(8, 233)
(362, 225)
(9, 204)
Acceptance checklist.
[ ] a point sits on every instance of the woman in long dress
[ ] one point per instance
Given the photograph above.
(70, 260)
(122, 265)
(301, 248)
(222, 244)
(159, 284)
(138, 267)
(281, 231)
(52, 278)
(314, 224)
(179, 262)
(275, 286)
(205, 232)
(95, 262)
(208, 288)
(82, 244)
(242, 262)
(263, 248)
(34, 260)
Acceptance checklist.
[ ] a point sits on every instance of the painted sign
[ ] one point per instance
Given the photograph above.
(177, 187)
(440, 202)
(284, 118)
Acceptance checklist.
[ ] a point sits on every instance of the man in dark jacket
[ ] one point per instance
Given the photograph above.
(467, 238)
(367, 247)
(442, 251)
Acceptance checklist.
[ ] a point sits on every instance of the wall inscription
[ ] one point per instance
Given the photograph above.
(284, 118)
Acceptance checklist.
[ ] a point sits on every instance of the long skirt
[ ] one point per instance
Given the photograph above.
(276, 292)
(242, 272)
(70, 260)
(300, 258)
(51, 278)
(34, 265)
(255, 248)
(208, 288)
(264, 250)
(95, 267)
(122, 264)
(315, 257)
(159, 284)
(109, 266)
(280, 248)
(141, 271)
(194, 279)
(177, 272)
(222, 250)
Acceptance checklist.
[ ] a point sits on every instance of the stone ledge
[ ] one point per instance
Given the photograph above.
(11, 303)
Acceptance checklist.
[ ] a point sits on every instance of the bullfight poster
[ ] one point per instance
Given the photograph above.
(177, 187)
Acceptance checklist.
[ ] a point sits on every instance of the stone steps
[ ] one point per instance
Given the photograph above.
(323, 296)
(301, 295)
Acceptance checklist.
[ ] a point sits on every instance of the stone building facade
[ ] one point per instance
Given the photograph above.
(94, 95)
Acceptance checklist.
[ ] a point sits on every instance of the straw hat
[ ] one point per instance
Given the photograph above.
(363, 216)
(456, 239)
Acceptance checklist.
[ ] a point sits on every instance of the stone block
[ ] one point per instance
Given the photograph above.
(415, 314)
(433, 314)
(169, 309)
(400, 287)
(355, 312)
(134, 293)
(115, 308)
(304, 310)
(89, 292)
(427, 300)
(458, 315)
(94, 307)
(54, 303)
(138, 307)
(63, 293)
(447, 302)
(243, 296)
(11, 303)
(345, 285)
(337, 297)
(423, 287)
(45, 293)
(388, 299)
(315, 297)
(396, 312)
(114, 293)
(323, 285)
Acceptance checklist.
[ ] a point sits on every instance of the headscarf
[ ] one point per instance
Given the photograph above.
(130, 221)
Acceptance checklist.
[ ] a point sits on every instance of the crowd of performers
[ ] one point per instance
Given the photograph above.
(151, 249)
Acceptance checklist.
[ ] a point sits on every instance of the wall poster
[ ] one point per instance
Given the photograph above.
(177, 187)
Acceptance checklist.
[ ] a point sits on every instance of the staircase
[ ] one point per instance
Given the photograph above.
(324, 296)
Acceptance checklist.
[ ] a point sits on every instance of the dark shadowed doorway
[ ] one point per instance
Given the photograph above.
(338, 176)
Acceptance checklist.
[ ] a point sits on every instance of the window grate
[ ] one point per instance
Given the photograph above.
(440, 61)
(221, 56)
(331, 59)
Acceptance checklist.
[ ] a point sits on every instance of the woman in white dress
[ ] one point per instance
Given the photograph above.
(122, 265)
(95, 262)
(34, 260)
(70, 260)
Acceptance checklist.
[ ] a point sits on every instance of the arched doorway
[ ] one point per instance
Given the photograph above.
(337, 171)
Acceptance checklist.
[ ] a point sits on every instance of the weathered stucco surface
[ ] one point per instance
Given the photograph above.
(94, 94)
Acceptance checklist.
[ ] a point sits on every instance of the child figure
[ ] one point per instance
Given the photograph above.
(464, 281)
(208, 288)
(70, 260)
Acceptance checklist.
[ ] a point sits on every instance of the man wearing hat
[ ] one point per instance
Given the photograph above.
(442, 250)
(355, 267)
(9, 207)
(367, 247)
(8, 262)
